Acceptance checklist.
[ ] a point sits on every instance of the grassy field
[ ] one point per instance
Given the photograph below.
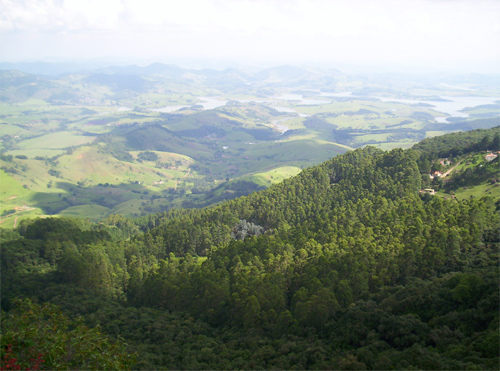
(8, 129)
(59, 140)
(12, 221)
(372, 137)
(87, 164)
(92, 180)
(93, 212)
(98, 129)
(15, 202)
(475, 187)
(74, 183)
(10, 188)
(273, 176)
(32, 174)
(478, 191)
(32, 153)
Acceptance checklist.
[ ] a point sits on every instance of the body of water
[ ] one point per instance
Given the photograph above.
(301, 99)
(280, 127)
(340, 94)
(211, 102)
(119, 109)
(167, 109)
(289, 110)
(457, 104)
(452, 106)
(206, 102)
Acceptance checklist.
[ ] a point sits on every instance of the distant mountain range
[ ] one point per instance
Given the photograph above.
(142, 79)
(171, 70)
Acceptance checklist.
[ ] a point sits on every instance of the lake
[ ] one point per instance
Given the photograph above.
(301, 100)
(207, 103)
(452, 106)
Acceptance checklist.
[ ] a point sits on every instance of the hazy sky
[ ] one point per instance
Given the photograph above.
(446, 34)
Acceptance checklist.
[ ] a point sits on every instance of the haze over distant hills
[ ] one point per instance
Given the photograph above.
(166, 136)
(258, 72)
(271, 185)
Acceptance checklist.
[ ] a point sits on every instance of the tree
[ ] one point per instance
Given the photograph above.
(36, 334)
(495, 143)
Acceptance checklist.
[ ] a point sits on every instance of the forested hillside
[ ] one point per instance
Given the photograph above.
(137, 141)
(344, 266)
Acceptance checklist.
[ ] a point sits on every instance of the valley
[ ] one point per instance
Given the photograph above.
(140, 140)
(249, 185)
(361, 262)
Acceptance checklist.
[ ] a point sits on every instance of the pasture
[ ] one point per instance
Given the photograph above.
(58, 140)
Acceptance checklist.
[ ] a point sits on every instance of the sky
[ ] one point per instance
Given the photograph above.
(444, 35)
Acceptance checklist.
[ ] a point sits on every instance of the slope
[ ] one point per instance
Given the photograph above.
(343, 266)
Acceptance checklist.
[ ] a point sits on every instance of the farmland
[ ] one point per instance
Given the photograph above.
(103, 142)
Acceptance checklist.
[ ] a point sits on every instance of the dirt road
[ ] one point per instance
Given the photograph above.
(450, 170)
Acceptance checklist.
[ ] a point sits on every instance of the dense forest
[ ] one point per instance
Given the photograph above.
(344, 266)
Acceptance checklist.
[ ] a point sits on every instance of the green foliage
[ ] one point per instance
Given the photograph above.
(92, 268)
(8, 235)
(342, 267)
(42, 332)
(116, 149)
(470, 176)
(148, 156)
(243, 229)
(455, 144)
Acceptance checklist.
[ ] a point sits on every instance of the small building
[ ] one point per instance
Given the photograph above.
(490, 157)
(429, 191)
(435, 174)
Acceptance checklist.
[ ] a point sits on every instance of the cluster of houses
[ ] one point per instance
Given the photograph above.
(490, 156)
(444, 162)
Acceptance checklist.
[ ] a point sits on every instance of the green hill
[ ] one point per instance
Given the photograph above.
(343, 266)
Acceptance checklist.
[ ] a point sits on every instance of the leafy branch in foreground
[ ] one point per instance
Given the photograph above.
(41, 336)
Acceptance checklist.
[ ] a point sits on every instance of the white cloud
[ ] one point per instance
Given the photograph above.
(59, 16)
(346, 30)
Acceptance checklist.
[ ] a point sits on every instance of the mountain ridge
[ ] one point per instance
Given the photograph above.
(345, 265)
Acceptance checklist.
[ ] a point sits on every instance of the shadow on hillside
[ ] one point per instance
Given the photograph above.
(106, 195)
(147, 200)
